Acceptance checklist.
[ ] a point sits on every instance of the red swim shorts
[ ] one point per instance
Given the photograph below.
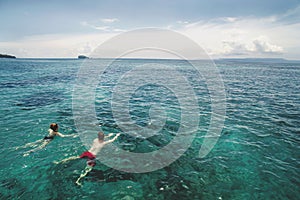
(91, 158)
(87, 154)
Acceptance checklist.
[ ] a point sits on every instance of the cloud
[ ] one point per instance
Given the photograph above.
(182, 22)
(86, 48)
(292, 16)
(55, 46)
(119, 30)
(257, 47)
(229, 19)
(103, 25)
(109, 20)
(269, 36)
(101, 28)
(263, 46)
(233, 48)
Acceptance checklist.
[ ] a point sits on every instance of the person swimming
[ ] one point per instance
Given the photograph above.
(97, 145)
(40, 144)
(53, 131)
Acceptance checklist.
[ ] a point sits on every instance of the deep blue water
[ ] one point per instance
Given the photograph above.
(256, 157)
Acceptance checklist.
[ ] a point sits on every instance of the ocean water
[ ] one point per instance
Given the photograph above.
(256, 157)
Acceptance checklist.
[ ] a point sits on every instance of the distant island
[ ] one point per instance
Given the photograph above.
(82, 57)
(6, 56)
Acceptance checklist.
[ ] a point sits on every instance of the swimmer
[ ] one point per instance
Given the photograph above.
(97, 145)
(40, 144)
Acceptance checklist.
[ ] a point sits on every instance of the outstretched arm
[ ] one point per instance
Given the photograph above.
(109, 135)
(62, 135)
(110, 141)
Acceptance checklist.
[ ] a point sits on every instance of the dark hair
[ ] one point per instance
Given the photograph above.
(100, 136)
(54, 127)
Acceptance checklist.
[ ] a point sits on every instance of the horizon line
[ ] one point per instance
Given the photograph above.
(141, 58)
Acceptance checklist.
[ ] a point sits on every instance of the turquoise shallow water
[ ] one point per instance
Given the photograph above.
(256, 157)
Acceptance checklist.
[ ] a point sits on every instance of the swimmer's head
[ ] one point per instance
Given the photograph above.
(54, 127)
(101, 136)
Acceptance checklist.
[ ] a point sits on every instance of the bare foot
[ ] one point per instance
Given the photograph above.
(77, 182)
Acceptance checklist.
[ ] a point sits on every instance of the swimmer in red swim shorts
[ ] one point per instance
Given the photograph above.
(97, 145)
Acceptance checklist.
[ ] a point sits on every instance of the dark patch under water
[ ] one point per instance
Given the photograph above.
(40, 99)
(10, 188)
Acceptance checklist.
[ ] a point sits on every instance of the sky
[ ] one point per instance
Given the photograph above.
(223, 28)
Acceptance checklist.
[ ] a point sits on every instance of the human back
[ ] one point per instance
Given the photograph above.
(97, 146)
(99, 143)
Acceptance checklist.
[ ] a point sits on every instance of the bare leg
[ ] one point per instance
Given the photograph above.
(82, 175)
(37, 148)
(66, 159)
(31, 144)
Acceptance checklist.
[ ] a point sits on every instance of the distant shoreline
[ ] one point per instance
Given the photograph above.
(228, 60)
